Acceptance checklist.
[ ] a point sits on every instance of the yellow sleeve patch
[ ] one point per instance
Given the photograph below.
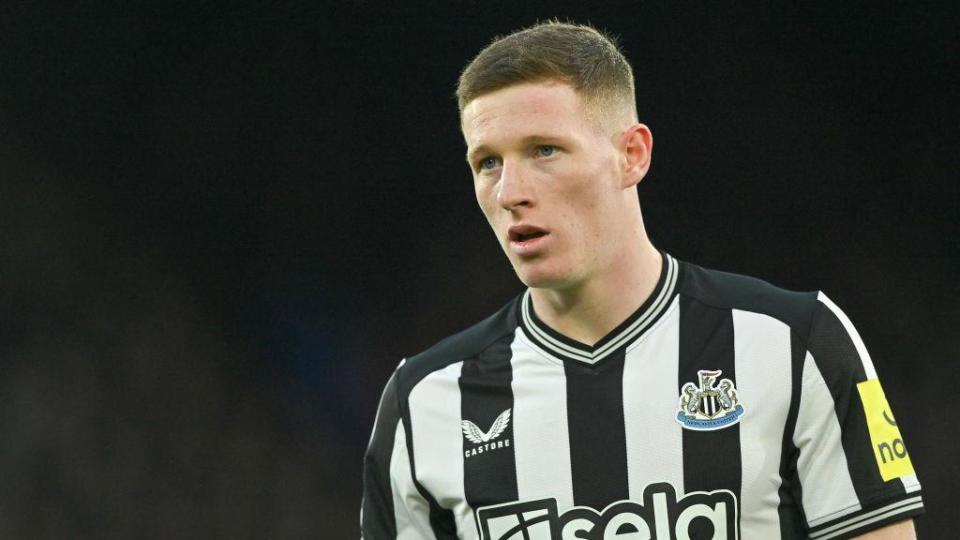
(888, 447)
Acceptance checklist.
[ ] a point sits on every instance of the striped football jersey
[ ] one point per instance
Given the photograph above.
(722, 408)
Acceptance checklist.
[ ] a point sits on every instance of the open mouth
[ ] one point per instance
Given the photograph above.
(524, 233)
(530, 236)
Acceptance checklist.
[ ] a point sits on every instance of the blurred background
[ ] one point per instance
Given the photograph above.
(222, 227)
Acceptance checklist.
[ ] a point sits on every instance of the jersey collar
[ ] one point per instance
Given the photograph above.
(627, 332)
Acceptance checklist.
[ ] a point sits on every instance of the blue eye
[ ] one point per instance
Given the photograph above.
(488, 163)
(546, 150)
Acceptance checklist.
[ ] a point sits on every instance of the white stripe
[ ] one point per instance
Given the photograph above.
(541, 443)
(627, 334)
(437, 443)
(827, 487)
(546, 338)
(878, 518)
(854, 335)
(910, 483)
(542, 335)
(762, 356)
(410, 509)
(885, 512)
(650, 397)
(866, 516)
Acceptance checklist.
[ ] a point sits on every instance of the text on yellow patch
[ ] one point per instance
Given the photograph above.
(888, 447)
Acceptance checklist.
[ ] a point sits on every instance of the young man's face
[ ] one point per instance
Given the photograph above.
(550, 183)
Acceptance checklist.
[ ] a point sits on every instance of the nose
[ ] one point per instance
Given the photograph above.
(514, 190)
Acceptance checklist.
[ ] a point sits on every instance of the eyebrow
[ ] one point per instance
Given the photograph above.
(526, 141)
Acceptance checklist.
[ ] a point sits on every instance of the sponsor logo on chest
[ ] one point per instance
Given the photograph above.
(662, 516)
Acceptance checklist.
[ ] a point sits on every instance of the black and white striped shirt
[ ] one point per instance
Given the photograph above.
(724, 407)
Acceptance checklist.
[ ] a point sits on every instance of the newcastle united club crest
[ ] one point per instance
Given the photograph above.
(714, 405)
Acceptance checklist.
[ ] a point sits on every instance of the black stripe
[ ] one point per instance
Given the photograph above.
(711, 459)
(452, 349)
(598, 446)
(490, 475)
(377, 505)
(839, 363)
(793, 522)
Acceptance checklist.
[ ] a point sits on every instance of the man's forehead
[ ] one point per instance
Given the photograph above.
(521, 111)
(523, 99)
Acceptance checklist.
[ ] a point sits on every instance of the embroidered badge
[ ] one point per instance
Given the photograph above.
(710, 406)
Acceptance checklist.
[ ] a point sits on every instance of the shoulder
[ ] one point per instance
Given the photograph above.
(463, 345)
(727, 290)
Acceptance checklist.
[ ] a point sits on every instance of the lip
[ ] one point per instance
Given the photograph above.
(526, 246)
(516, 232)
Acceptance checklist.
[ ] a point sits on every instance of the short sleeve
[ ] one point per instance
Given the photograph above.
(853, 468)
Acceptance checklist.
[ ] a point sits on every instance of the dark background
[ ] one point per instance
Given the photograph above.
(221, 228)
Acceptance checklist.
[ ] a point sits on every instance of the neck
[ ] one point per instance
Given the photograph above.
(590, 310)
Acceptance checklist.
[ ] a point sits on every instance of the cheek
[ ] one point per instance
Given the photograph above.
(486, 201)
(587, 181)
(480, 193)
(587, 210)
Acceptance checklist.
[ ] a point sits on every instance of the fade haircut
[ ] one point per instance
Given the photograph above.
(587, 59)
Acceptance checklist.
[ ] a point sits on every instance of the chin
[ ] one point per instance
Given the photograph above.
(542, 278)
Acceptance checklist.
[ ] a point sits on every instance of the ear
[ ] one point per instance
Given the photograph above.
(637, 148)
